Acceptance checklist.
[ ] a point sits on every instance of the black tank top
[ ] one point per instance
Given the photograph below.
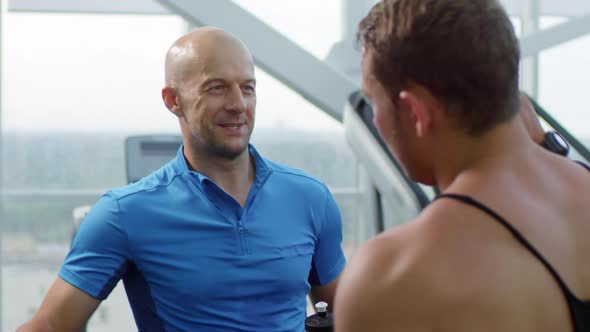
(579, 310)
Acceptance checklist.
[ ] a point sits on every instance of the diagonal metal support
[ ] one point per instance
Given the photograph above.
(309, 76)
(551, 37)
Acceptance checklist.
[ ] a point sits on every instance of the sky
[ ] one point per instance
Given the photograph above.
(68, 72)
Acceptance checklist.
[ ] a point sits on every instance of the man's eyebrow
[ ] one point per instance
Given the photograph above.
(221, 80)
(212, 80)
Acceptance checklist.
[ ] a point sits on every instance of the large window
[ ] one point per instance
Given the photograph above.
(75, 87)
(563, 80)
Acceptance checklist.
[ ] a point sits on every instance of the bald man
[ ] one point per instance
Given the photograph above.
(218, 239)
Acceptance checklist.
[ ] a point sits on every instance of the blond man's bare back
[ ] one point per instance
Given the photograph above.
(456, 268)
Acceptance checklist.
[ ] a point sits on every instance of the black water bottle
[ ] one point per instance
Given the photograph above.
(320, 322)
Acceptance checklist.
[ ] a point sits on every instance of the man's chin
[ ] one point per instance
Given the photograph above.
(231, 151)
(420, 176)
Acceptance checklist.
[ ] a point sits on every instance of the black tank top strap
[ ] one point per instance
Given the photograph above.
(470, 201)
(583, 165)
(581, 309)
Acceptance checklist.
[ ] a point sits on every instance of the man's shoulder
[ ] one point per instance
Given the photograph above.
(153, 182)
(383, 260)
(455, 236)
(414, 270)
(386, 275)
(393, 254)
(432, 253)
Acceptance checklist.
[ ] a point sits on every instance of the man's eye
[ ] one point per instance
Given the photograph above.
(217, 88)
(248, 88)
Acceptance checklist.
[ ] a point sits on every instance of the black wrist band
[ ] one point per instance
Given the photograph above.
(554, 142)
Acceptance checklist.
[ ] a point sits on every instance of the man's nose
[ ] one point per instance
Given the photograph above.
(235, 100)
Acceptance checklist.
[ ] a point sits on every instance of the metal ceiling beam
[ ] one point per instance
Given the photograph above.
(568, 8)
(89, 6)
(309, 76)
(551, 37)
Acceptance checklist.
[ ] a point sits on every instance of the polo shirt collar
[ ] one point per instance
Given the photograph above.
(261, 168)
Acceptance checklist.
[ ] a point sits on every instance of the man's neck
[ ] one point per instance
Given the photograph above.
(235, 176)
(461, 153)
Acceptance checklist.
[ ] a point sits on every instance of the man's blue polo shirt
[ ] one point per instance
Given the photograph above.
(192, 259)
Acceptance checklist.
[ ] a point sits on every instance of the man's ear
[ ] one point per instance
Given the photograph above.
(172, 101)
(420, 113)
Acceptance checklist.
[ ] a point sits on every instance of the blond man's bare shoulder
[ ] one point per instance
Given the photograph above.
(402, 278)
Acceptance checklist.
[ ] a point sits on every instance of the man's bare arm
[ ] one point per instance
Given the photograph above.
(65, 308)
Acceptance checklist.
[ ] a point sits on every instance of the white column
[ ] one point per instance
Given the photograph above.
(529, 73)
(352, 12)
(367, 214)
(2, 31)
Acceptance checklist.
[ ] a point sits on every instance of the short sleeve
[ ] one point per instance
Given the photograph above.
(99, 251)
(328, 259)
